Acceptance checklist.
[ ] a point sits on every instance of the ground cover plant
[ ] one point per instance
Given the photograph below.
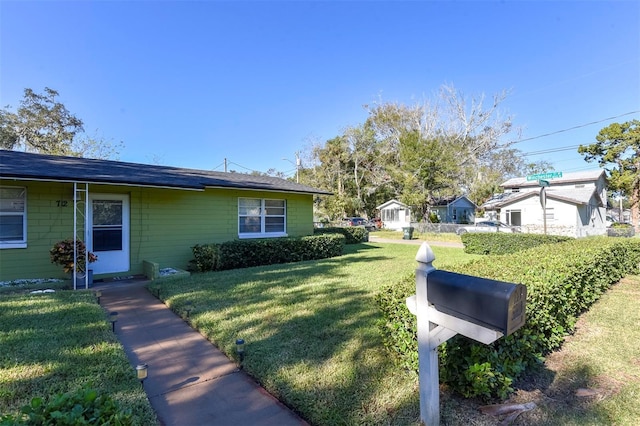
(58, 349)
(310, 330)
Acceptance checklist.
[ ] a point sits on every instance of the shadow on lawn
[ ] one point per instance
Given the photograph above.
(56, 343)
(310, 330)
(571, 395)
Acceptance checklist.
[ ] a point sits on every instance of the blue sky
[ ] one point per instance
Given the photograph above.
(190, 83)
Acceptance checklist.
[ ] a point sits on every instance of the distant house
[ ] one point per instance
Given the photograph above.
(395, 215)
(128, 213)
(575, 204)
(455, 210)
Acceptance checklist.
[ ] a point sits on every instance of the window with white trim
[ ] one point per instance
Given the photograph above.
(261, 217)
(13, 217)
(550, 213)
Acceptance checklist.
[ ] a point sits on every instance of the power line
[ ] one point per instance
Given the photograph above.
(574, 127)
(550, 150)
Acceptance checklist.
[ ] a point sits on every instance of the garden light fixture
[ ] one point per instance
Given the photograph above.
(113, 317)
(141, 373)
(240, 349)
(98, 294)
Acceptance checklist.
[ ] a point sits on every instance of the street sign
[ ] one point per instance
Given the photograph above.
(550, 175)
(543, 199)
(543, 183)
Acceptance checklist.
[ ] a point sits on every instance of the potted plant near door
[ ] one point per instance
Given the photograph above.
(62, 254)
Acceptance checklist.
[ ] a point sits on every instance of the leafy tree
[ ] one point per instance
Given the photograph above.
(44, 125)
(617, 150)
(415, 154)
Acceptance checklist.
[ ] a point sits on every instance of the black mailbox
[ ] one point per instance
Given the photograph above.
(492, 304)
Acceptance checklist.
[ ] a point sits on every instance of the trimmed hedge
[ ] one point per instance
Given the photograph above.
(562, 281)
(352, 234)
(245, 253)
(506, 243)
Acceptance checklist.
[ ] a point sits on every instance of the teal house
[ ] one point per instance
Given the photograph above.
(455, 210)
(130, 214)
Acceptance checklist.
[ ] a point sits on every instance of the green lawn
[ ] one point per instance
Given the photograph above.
(311, 331)
(57, 343)
(448, 237)
(312, 341)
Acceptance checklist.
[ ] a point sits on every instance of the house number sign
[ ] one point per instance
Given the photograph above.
(62, 203)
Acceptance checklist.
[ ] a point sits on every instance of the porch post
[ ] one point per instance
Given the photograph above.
(80, 215)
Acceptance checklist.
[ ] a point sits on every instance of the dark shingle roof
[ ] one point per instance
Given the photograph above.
(28, 166)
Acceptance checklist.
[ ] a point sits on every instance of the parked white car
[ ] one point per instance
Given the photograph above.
(609, 221)
(488, 226)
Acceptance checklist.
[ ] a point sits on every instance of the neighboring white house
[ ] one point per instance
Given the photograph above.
(455, 210)
(395, 215)
(575, 204)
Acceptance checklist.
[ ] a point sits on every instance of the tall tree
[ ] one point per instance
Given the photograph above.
(617, 150)
(41, 124)
(44, 125)
(415, 153)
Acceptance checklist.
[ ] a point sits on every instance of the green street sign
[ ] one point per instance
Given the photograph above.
(541, 176)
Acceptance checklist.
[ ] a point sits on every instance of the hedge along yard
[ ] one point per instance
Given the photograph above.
(313, 336)
(311, 330)
(313, 339)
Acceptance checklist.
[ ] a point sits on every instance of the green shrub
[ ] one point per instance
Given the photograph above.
(246, 253)
(352, 234)
(206, 257)
(83, 407)
(562, 282)
(621, 230)
(505, 243)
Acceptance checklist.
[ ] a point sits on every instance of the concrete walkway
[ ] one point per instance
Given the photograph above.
(190, 381)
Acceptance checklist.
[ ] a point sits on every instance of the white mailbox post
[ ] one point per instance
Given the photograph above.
(483, 310)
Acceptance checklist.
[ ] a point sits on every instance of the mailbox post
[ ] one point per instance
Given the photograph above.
(447, 304)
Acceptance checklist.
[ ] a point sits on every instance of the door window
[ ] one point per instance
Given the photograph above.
(107, 225)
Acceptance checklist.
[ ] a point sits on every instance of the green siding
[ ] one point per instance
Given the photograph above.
(164, 224)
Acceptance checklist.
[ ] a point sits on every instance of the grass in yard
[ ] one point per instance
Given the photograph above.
(448, 237)
(602, 359)
(311, 331)
(59, 342)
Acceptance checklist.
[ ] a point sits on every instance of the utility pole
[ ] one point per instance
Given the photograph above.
(225, 165)
(297, 164)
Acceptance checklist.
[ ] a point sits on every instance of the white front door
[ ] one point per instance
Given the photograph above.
(108, 232)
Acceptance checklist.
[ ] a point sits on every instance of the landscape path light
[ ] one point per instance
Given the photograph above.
(141, 372)
(98, 294)
(113, 317)
(240, 349)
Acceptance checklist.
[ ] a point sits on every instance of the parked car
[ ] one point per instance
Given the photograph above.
(488, 226)
(359, 221)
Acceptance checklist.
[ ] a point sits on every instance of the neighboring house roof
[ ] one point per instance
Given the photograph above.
(589, 175)
(570, 195)
(390, 203)
(446, 201)
(29, 166)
